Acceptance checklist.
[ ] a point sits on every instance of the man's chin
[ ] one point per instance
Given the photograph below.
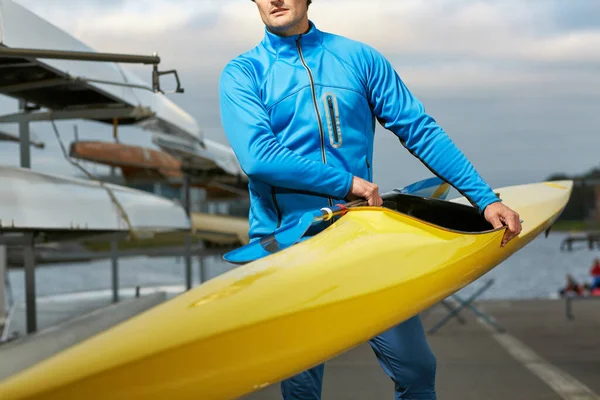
(280, 25)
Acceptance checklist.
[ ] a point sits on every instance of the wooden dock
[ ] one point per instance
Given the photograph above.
(591, 240)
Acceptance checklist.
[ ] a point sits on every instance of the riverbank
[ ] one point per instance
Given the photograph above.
(575, 226)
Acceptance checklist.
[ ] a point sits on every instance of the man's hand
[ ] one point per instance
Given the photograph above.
(362, 189)
(500, 215)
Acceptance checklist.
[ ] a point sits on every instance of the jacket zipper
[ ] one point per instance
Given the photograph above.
(315, 104)
(368, 168)
(336, 135)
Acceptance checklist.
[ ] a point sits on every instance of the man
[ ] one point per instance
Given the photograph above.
(299, 111)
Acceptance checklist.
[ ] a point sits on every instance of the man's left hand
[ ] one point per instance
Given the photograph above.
(500, 215)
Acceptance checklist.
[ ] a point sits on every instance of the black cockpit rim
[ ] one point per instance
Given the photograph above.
(442, 213)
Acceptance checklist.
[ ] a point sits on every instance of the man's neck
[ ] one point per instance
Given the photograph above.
(298, 29)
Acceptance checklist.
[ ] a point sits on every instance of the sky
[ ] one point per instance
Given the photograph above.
(515, 83)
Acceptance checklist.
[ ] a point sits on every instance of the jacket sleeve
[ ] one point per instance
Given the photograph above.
(399, 111)
(261, 156)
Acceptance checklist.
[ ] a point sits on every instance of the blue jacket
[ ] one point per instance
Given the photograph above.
(300, 114)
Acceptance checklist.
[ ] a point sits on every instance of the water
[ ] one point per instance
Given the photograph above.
(536, 271)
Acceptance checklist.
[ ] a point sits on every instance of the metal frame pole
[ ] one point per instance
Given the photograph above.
(451, 309)
(2, 282)
(24, 139)
(188, 262)
(188, 237)
(201, 272)
(79, 55)
(186, 194)
(487, 318)
(569, 307)
(29, 258)
(463, 304)
(95, 56)
(201, 258)
(114, 258)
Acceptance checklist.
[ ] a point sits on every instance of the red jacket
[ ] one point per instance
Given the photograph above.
(595, 271)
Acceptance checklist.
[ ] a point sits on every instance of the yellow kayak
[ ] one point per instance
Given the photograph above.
(269, 319)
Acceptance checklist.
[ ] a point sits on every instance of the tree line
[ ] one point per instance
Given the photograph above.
(582, 203)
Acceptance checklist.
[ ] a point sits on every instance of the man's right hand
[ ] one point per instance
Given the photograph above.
(362, 189)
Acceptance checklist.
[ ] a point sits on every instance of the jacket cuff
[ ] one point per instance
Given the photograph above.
(345, 186)
(487, 201)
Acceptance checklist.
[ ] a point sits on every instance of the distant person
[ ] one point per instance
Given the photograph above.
(572, 288)
(595, 272)
(300, 111)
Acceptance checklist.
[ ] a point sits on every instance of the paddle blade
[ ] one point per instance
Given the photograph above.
(433, 188)
(280, 239)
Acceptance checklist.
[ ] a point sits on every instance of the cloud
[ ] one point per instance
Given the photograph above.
(140, 18)
(445, 48)
(538, 31)
(482, 42)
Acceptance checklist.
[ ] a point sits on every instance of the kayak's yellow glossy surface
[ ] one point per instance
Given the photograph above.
(272, 318)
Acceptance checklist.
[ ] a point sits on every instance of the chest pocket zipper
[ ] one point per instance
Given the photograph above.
(333, 120)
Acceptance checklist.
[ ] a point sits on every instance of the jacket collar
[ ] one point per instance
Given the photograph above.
(286, 46)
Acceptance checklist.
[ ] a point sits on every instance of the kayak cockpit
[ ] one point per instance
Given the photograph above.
(453, 216)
